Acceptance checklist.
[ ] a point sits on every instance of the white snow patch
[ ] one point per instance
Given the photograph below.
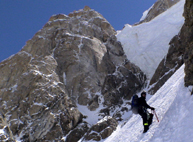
(104, 119)
(38, 104)
(85, 22)
(39, 36)
(64, 78)
(2, 131)
(13, 88)
(80, 45)
(92, 116)
(76, 35)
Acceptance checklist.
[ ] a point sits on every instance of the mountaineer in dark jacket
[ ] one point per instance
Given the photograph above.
(142, 110)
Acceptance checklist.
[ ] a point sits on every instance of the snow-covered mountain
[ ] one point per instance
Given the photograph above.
(72, 65)
(73, 80)
(146, 44)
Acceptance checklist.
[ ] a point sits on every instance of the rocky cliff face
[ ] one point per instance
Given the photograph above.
(74, 59)
(188, 56)
(35, 104)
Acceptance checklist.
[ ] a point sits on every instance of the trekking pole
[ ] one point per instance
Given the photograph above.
(155, 115)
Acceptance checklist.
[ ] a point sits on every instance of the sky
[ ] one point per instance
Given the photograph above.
(21, 19)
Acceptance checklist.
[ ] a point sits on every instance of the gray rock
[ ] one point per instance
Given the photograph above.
(34, 103)
(77, 133)
(122, 84)
(101, 130)
(188, 32)
(159, 7)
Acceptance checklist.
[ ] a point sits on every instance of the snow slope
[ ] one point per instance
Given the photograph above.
(174, 107)
(146, 44)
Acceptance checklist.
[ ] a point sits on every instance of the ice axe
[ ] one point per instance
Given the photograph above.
(155, 115)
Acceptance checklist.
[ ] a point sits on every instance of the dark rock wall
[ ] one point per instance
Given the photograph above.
(188, 55)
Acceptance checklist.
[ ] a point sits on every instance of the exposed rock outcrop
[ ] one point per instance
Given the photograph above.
(121, 84)
(34, 102)
(188, 55)
(101, 130)
(77, 133)
(159, 7)
(74, 59)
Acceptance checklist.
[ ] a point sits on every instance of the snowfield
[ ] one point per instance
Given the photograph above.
(146, 44)
(174, 106)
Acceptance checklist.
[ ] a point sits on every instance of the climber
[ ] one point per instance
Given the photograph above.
(142, 110)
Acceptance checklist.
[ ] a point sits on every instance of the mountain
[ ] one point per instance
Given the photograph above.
(73, 81)
(72, 65)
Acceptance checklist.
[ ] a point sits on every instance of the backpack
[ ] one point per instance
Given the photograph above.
(134, 104)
